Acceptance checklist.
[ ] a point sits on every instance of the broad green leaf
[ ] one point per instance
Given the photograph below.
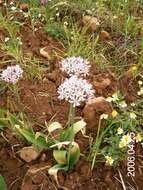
(70, 133)
(39, 141)
(54, 170)
(3, 185)
(74, 154)
(60, 156)
(78, 126)
(54, 126)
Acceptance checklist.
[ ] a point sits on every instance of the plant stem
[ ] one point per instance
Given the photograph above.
(71, 115)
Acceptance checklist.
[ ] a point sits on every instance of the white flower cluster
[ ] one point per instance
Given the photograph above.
(75, 90)
(12, 74)
(75, 66)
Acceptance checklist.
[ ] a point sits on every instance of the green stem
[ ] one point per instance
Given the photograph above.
(98, 142)
(71, 115)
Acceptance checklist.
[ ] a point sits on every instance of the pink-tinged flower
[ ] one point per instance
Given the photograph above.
(43, 2)
(75, 66)
(75, 90)
(12, 74)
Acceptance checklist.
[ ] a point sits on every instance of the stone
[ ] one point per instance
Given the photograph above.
(104, 35)
(90, 21)
(94, 108)
(28, 154)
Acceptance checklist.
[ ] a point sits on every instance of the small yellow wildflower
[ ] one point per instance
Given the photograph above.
(122, 144)
(134, 68)
(125, 140)
(104, 116)
(138, 137)
(133, 115)
(109, 160)
(119, 130)
(114, 113)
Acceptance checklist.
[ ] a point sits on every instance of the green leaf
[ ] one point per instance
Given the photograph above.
(60, 156)
(54, 126)
(54, 170)
(70, 133)
(3, 185)
(74, 154)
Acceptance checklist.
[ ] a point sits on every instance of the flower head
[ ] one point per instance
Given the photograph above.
(75, 90)
(114, 113)
(120, 130)
(75, 66)
(123, 104)
(12, 74)
(104, 116)
(139, 137)
(125, 140)
(132, 115)
(43, 2)
(109, 160)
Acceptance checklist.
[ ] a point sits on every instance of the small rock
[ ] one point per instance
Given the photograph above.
(28, 154)
(102, 84)
(24, 7)
(90, 21)
(94, 108)
(44, 52)
(104, 35)
(52, 76)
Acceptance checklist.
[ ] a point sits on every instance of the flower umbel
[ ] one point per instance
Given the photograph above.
(75, 66)
(75, 90)
(12, 74)
(43, 2)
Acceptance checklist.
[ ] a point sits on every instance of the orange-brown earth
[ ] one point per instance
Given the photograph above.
(40, 103)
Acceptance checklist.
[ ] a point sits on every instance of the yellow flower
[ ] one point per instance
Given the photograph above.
(114, 113)
(138, 137)
(119, 130)
(109, 160)
(133, 115)
(134, 68)
(125, 140)
(104, 116)
(122, 144)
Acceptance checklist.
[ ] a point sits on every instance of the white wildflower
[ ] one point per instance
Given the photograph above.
(140, 82)
(120, 131)
(13, 8)
(12, 74)
(75, 90)
(6, 39)
(104, 116)
(123, 104)
(75, 66)
(132, 115)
